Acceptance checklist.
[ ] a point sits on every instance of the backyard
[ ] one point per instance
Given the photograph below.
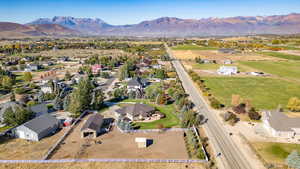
(264, 93)
(275, 152)
(115, 144)
(171, 120)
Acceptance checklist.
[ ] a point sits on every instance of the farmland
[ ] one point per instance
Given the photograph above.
(192, 47)
(264, 93)
(281, 55)
(283, 69)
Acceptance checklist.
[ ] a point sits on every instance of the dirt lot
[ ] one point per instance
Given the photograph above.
(215, 55)
(19, 149)
(119, 145)
(104, 166)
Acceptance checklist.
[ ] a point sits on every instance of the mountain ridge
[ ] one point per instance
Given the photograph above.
(173, 26)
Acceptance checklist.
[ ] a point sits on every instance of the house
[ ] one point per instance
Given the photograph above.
(227, 62)
(32, 67)
(136, 83)
(227, 70)
(46, 89)
(135, 112)
(37, 128)
(92, 126)
(96, 68)
(280, 125)
(39, 109)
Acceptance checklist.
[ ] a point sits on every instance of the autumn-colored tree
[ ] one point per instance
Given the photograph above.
(294, 104)
(27, 76)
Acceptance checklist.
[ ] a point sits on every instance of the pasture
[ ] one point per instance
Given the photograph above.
(264, 93)
(281, 55)
(283, 69)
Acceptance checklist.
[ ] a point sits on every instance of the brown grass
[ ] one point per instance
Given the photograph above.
(215, 55)
(104, 166)
(121, 145)
(19, 149)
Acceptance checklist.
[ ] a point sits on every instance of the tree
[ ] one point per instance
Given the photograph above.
(294, 104)
(98, 99)
(240, 109)
(104, 75)
(253, 114)
(16, 117)
(27, 77)
(68, 76)
(81, 97)
(293, 160)
(7, 82)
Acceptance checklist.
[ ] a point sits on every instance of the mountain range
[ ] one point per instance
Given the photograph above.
(165, 26)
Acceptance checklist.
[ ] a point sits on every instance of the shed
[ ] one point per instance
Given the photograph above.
(37, 128)
(92, 126)
(141, 142)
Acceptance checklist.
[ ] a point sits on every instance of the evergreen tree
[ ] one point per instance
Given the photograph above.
(293, 160)
(17, 116)
(81, 97)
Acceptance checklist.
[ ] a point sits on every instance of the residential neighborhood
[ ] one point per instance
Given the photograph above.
(205, 85)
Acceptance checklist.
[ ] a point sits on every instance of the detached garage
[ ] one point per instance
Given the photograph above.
(92, 126)
(37, 128)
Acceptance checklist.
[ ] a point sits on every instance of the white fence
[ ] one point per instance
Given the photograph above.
(106, 160)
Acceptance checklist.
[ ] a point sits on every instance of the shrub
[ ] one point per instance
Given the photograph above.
(240, 109)
(214, 103)
(253, 114)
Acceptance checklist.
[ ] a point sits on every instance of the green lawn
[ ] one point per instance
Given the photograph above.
(169, 121)
(264, 93)
(192, 47)
(275, 152)
(287, 69)
(281, 55)
(4, 128)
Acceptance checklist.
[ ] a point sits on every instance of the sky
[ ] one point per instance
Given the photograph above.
(119, 12)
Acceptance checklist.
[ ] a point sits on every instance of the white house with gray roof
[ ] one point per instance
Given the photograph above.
(280, 125)
(37, 128)
(227, 70)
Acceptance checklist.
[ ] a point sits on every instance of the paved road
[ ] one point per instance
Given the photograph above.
(231, 157)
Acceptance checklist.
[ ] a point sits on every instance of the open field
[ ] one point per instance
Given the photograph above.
(281, 55)
(275, 152)
(283, 69)
(122, 145)
(104, 166)
(80, 53)
(171, 120)
(19, 149)
(192, 47)
(219, 57)
(264, 93)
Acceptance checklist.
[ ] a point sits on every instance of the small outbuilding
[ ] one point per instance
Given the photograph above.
(37, 128)
(92, 126)
(141, 142)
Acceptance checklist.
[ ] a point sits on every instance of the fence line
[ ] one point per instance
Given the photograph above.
(153, 130)
(203, 149)
(63, 137)
(106, 160)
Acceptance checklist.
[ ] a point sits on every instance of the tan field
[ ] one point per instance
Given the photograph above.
(19, 149)
(215, 55)
(104, 166)
(120, 145)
